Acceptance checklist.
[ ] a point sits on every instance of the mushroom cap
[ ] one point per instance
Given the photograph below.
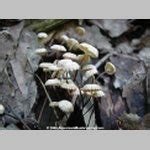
(70, 85)
(91, 87)
(41, 51)
(68, 65)
(57, 47)
(2, 109)
(72, 43)
(66, 106)
(110, 68)
(49, 66)
(88, 67)
(42, 35)
(89, 50)
(70, 55)
(99, 93)
(89, 74)
(64, 38)
(80, 30)
(52, 82)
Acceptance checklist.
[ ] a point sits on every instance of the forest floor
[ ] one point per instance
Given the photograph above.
(25, 98)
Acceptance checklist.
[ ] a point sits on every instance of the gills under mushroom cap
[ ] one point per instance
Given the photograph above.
(68, 85)
(49, 66)
(91, 87)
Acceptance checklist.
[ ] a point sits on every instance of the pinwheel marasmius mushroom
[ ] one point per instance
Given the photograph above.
(41, 51)
(68, 65)
(49, 66)
(110, 68)
(42, 35)
(64, 38)
(89, 52)
(2, 109)
(72, 44)
(93, 90)
(89, 71)
(64, 105)
(70, 55)
(57, 49)
(53, 82)
(80, 31)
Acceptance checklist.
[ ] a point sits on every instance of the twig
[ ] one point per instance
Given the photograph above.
(41, 112)
(90, 117)
(88, 110)
(101, 61)
(18, 117)
(100, 75)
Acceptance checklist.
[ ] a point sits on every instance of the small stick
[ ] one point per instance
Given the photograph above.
(17, 117)
(88, 110)
(101, 61)
(90, 117)
(41, 112)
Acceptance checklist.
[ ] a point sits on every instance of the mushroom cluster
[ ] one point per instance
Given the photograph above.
(72, 69)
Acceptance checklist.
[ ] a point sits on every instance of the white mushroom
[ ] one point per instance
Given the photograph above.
(41, 51)
(64, 38)
(68, 65)
(57, 48)
(83, 59)
(52, 82)
(72, 43)
(64, 105)
(99, 93)
(89, 50)
(91, 87)
(88, 67)
(49, 66)
(70, 55)
(110, 68)
(42, 35)
(68, 85)
(2, 109)
(89, 74)
(80, 30)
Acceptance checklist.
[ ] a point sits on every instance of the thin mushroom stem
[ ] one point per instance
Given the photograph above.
(76, 73)
(46, 92)
(100, 75)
